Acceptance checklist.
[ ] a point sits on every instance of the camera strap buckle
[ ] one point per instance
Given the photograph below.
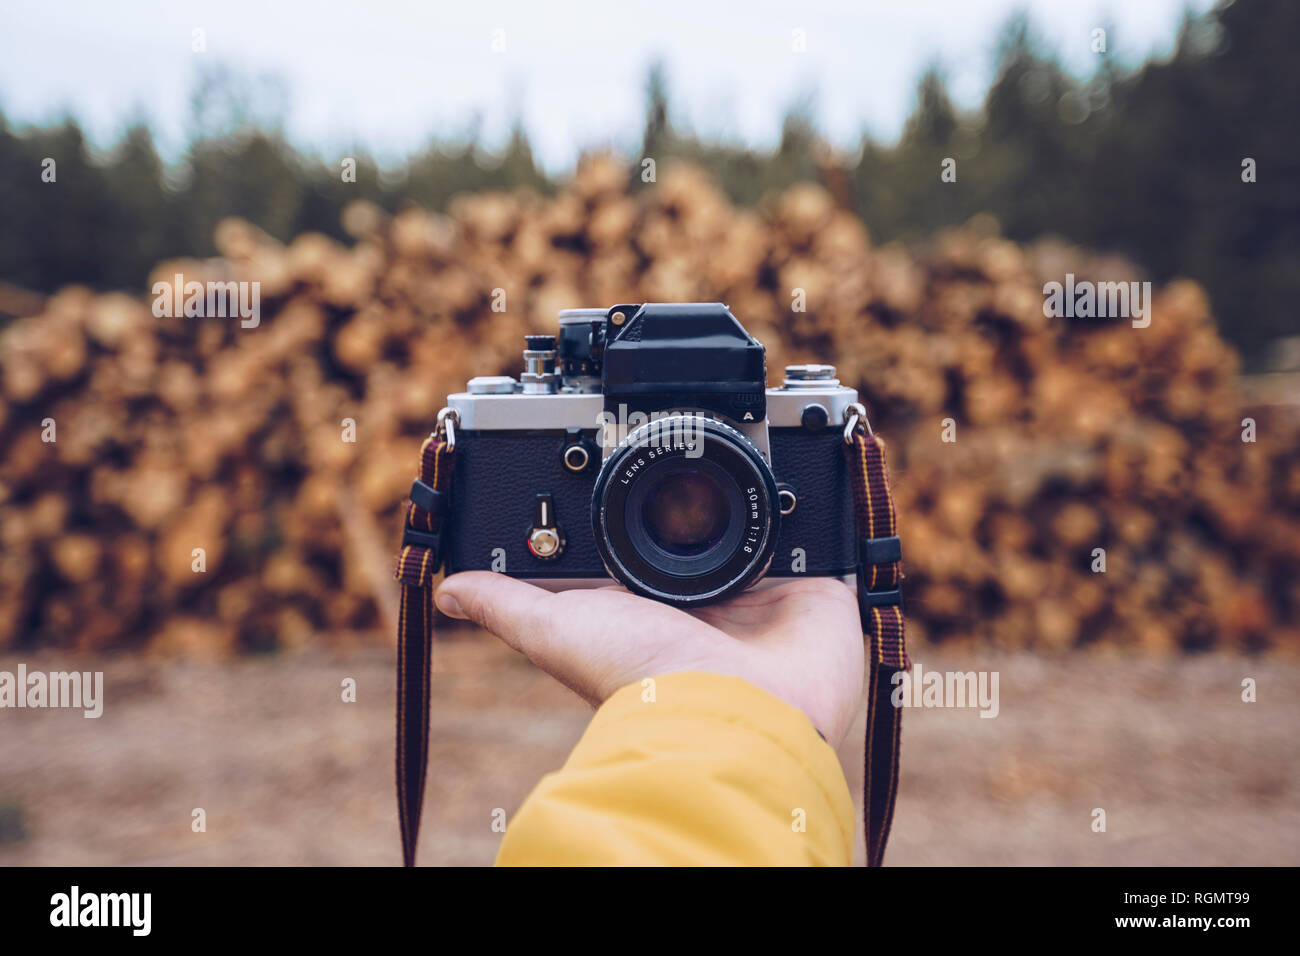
(429, 540)
(879, 560)
(430, 498)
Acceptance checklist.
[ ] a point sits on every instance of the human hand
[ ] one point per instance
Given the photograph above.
(800, 641)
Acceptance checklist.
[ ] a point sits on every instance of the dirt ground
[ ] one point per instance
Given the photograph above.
(287, 773)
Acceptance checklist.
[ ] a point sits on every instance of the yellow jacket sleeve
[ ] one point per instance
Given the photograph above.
(692, 769)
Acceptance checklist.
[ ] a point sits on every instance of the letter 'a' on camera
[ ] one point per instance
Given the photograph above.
(641, 443)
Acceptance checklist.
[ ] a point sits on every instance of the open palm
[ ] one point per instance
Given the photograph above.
(799, 640)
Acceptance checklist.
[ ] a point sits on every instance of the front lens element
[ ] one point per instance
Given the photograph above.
(686, 512)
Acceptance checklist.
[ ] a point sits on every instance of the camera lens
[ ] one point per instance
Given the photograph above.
(684, 510)
(685, 518)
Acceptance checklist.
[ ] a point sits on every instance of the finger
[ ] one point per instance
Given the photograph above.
(516, 612)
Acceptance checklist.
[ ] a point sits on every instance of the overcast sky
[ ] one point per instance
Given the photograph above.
(389, 75)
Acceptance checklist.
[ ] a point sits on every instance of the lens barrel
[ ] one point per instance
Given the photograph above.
(685, 510)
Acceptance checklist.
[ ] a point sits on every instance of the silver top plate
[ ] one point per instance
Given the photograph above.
(561, 410)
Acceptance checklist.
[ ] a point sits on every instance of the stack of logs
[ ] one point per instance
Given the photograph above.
(190, 484)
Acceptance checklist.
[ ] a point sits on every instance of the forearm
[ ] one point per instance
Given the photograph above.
(696, 769)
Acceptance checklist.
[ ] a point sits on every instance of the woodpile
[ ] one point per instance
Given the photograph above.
(212, 488)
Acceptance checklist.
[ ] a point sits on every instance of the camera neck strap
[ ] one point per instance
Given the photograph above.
(417, 563)
(879, 601)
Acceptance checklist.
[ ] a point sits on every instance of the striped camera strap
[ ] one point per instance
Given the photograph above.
(880, 602)
(879, 599)
(417, 563)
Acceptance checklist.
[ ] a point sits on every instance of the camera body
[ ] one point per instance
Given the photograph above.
(641, 445)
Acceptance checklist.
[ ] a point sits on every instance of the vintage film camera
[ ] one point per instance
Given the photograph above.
(642, 445)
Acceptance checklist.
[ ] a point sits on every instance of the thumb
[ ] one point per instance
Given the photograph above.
(516, 612)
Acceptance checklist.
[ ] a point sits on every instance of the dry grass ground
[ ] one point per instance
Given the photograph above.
(289, 774)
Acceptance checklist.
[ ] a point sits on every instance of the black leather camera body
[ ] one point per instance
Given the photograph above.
(642, 445)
